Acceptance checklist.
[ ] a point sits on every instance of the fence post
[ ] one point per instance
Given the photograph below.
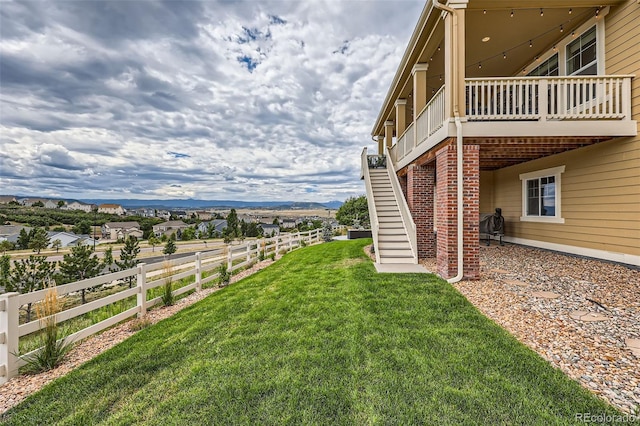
(229, 258)
(277, 244)
(8, 336)
(198, 271)
(248, 252)
(141, 297)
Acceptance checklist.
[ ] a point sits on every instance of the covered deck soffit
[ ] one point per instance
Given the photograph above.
(509, 37)
(497, 153)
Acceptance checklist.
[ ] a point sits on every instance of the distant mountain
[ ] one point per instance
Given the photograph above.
(200, 204)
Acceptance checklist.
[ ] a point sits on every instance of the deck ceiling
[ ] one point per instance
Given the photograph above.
(496, 153)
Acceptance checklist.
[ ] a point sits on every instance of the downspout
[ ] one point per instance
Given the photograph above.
(459, 139)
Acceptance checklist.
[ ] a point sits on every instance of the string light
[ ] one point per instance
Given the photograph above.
(512, 13)
(484, 11)
(438, 48)
(570, 11)
(597, 12)
(541, 12)
(505, 53)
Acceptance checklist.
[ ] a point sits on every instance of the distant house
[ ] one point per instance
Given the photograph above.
(51, 204)
(6, 199)
(144, 212)
(204, 215)
(28, 202)
(289, 223)
(111, 209)
(68, 239)
(11, 232)
(180, 214)
(169, 227)
(269, 230)
(218, 226)
(121, 230)
(76, 205)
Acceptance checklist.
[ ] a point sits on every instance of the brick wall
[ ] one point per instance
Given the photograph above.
(446, 211)
(420, 182)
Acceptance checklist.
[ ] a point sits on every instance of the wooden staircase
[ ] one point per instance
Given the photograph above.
(393, 242)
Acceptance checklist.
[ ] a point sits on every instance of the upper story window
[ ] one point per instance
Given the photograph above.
(582, 58)
(541, 195)
(547, 68)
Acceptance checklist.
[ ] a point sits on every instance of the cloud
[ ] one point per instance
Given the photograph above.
(268, 101)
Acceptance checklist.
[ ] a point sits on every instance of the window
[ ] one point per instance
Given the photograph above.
(548, 67)
(582, 54)
(541, 196)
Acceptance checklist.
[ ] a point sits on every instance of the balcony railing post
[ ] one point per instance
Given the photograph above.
(626, 96)
(543, 99)
(8, 336)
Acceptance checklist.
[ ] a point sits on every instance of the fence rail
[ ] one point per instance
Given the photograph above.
(147, 277)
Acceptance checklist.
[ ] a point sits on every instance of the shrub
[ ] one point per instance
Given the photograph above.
(272, 256)
(224, 275)
(261, 255)
(168, 298)
(303, 243)
(53, 351)
(139, 324)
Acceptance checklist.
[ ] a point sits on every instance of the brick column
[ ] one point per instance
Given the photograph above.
(420, 182)
(403, 185)
(446, 210)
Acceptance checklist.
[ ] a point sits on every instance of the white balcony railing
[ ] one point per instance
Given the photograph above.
(538, 99)
(549, 98)
(431, 118)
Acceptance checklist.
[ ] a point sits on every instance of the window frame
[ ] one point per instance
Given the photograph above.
(554, 172)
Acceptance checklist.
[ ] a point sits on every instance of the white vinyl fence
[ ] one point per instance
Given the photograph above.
(147, 277)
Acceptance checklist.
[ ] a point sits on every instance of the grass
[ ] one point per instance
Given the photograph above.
(317, 338)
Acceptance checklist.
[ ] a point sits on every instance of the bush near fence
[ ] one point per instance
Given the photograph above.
(201, 266)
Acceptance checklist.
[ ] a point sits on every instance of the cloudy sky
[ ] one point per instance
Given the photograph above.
(253, 100)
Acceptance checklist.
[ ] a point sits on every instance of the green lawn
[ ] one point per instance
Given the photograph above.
(317, 338)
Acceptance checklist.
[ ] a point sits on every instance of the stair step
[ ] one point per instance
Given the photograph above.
(389, 213)
(393, 253)
(387, 245)
(398, 260)
(389, 219)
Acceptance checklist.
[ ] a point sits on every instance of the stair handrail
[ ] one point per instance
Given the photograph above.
(373, 214)
(407, 218)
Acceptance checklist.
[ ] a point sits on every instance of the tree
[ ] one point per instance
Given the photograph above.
(327, 232)
(61, 204)
(189, 234)
(276, 221)
(82, 227)
(253, 230)
(5, 270)
(56, 244)
(29, 275)
(128, 256)
(6, 245)
(170, 247)
(23, 240)
(37, 204)
(232, 223)
(153, 241)
(355, 208)
(107, 259)
(79, 265)
(39, 239)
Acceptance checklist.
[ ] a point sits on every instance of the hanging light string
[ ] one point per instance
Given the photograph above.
(504, 53)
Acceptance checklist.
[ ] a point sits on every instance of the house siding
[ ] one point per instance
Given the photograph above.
(600, 189)
(600, 198)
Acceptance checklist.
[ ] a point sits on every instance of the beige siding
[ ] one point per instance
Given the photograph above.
(600, 190)
(600, 198)
(486, 192)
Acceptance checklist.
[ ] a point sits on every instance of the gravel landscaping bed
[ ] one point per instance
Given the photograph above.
(581, 315)
(18, 388)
